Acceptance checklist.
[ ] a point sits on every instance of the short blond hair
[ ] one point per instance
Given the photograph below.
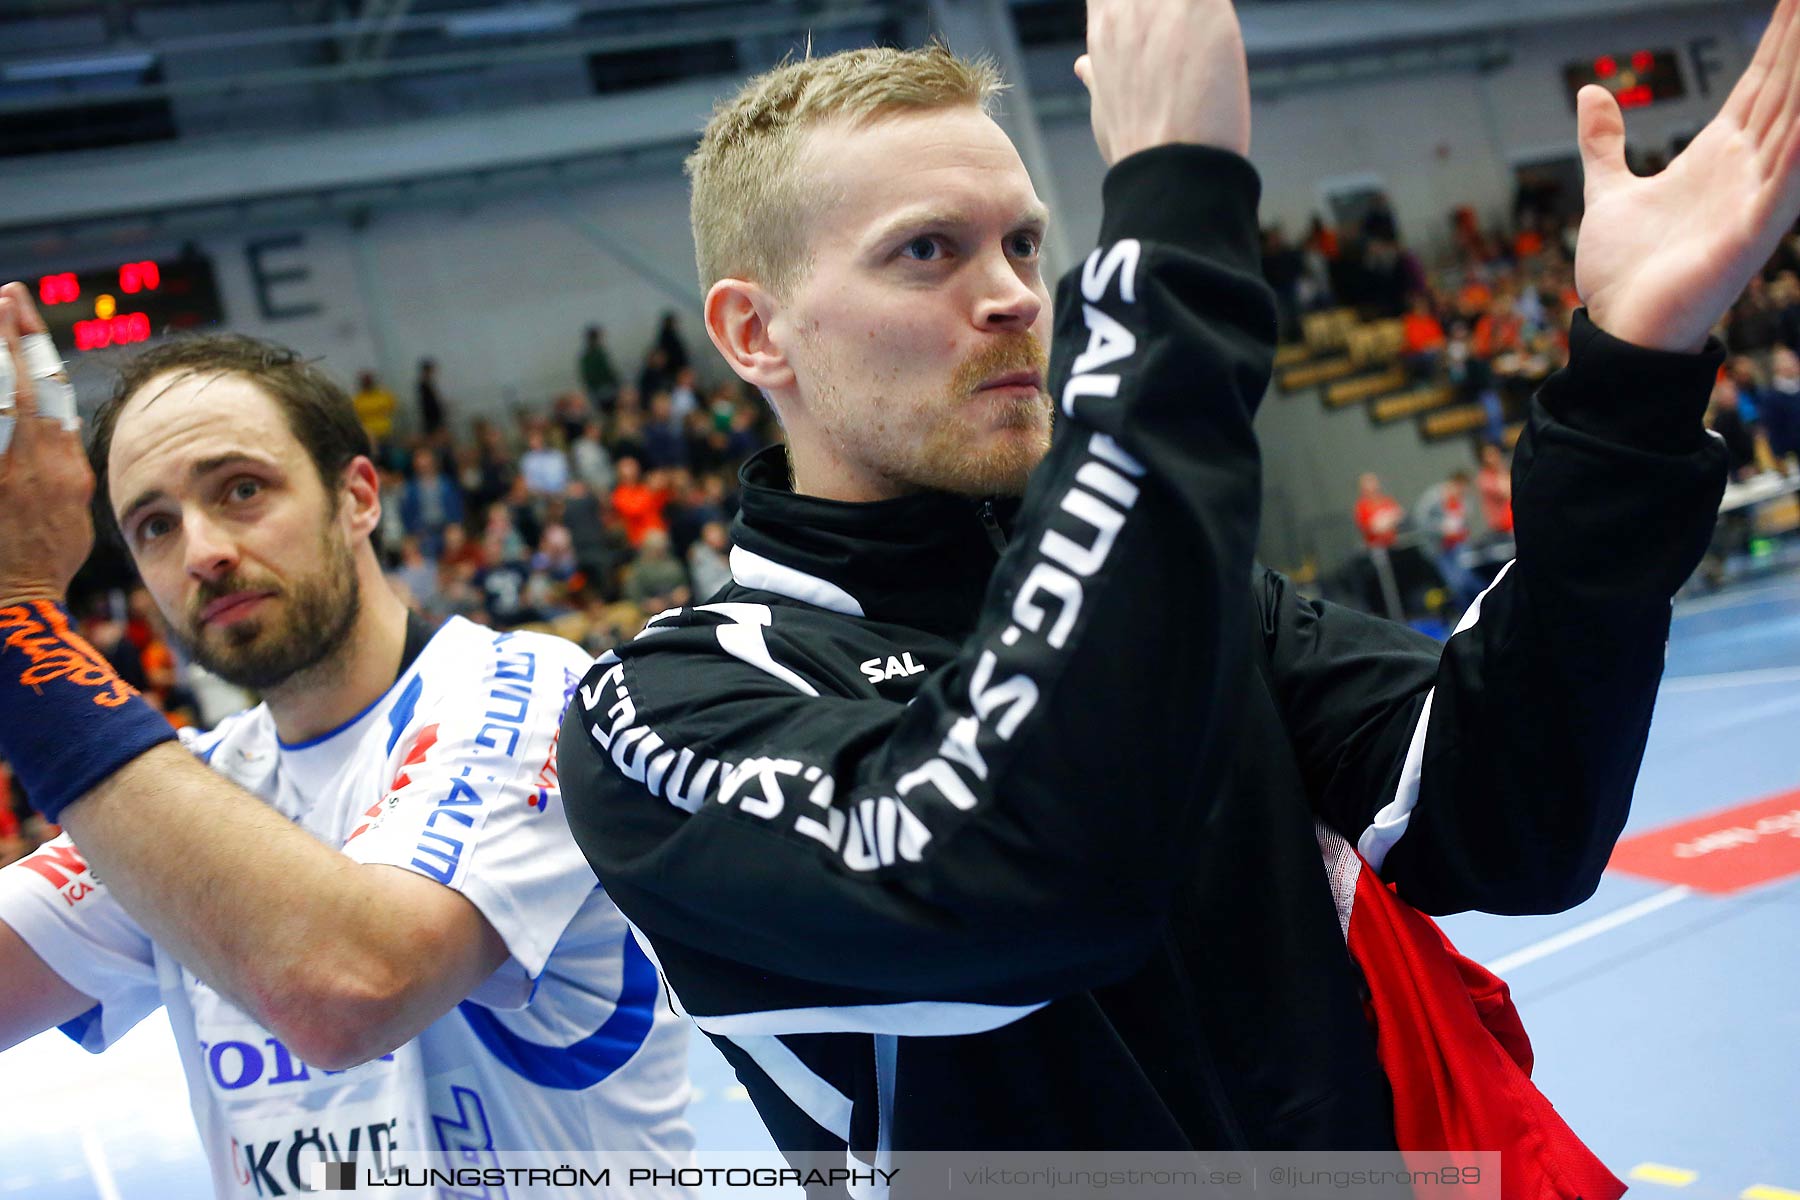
(747, 196)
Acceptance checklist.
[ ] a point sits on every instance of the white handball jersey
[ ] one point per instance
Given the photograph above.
(451, 774)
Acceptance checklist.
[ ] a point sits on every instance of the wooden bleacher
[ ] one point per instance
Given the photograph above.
(1413, 403)
(1312, 374)
(1377, 342)
(1344, 392)
(1328, 330)
(1449, 422)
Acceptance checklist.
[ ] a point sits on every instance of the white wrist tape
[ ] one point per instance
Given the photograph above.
(44, 366)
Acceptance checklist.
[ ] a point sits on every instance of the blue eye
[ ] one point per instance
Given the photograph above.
(151, 528)
(923, 249)
(245, 489)
(1024, 245)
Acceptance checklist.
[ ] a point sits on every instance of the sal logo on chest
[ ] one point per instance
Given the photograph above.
(894, 666)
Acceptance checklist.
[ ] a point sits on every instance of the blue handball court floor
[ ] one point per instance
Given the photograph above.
(1665, 1011)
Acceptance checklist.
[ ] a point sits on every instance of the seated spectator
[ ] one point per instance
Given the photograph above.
(639, 505)
(664, 443)
(458, 549)
(684, 395)
(591, 461)
(1424, 341)
(543, 468)
(599, 545)
(505, 588)
(555, 555)
(393, 526)
(418, 575)
(1500, 329)
(656, 581)
(429, 501)
(1748, 377)
(1378, 515)
(1443, 514)
(1493, 483)
(522, 508)
(627, 440)
(494, 463)
(657, 375)
(1784, 297)
(708, 446)
(1724, 419)
(1529, 241)
(1475, 296)
(500, 540)
(1781, 406)
(458, 593)
(743, 440)
(693, 502)
(571, 412)
(709, 562)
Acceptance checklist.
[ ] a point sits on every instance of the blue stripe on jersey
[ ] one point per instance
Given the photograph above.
(81, 1026)
(582, 1065)
(404, 707)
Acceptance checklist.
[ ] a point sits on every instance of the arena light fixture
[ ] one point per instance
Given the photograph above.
(127, 62)
(512, 22)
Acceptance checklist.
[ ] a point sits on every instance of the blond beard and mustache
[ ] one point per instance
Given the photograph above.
(958, 451)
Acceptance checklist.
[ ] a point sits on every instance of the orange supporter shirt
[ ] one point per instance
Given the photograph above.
(1422, 332)
(640, 508)
(1379, 519)
(1496, 336)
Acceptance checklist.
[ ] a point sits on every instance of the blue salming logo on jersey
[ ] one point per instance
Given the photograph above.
(439, 852)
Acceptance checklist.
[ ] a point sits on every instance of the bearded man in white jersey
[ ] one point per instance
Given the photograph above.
(359, 901)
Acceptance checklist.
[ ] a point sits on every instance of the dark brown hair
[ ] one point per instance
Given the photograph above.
(318, 411)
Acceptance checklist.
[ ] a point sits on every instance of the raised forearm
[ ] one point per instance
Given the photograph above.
(293, 932)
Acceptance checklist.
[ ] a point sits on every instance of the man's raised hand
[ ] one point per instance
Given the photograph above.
(1661, 258)
(45, 483)
(1163, 71)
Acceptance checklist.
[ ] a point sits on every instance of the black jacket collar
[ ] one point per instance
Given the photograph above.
(920, 560)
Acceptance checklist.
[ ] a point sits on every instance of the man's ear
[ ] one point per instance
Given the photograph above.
(739, 314)
(362, 488)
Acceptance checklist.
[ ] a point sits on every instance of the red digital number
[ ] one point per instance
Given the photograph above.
(1606, 67)
(1642, 61)
(59, 289)
(139, 277)
(122, 330)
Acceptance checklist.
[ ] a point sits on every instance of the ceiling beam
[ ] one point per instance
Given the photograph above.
(669, 33)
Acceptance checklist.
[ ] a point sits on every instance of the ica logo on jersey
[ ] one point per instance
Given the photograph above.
(880, 671)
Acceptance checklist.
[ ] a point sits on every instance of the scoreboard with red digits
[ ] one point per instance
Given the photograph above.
(1635, 80)
(129, 302)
